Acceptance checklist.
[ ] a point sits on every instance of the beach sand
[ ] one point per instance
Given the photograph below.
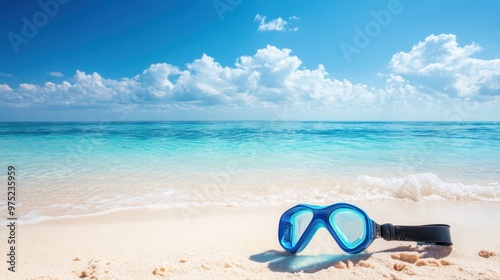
(241, 243)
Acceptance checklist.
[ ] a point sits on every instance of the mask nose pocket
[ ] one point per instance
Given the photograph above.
(349, 225)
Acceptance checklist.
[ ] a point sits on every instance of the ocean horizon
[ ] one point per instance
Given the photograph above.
(81, 168)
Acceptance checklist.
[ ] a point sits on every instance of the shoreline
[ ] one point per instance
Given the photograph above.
(241, 243)
(233, 189)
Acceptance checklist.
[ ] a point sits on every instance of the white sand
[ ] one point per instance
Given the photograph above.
(241, 243)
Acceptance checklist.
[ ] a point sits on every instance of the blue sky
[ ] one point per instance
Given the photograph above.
(239, 59)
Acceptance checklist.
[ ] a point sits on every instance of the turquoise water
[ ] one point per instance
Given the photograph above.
(82, 168)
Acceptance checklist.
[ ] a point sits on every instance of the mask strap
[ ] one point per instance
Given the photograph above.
(438, 234)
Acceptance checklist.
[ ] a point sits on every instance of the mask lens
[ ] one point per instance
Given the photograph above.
(297, 226)
(349, 225)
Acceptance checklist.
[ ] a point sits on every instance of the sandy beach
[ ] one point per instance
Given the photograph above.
(165, 139)
(241, 243)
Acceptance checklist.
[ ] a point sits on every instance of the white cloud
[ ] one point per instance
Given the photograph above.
(441, 65)
(2, 74)
(5, 88)
(278, 24)
(154, 83)
(56, 74)
(270, 78)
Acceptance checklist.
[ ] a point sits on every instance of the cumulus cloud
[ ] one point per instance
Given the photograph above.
(56, 74)
(441, 65)
(272, 78)
(5, 88)
(278, 24)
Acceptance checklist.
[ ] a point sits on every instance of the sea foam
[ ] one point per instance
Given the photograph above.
(414, 187)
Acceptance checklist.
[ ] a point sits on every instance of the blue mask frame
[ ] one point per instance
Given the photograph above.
(351, 227)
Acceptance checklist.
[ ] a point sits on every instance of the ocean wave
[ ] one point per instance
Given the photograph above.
(427, 187)
(413, 187)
